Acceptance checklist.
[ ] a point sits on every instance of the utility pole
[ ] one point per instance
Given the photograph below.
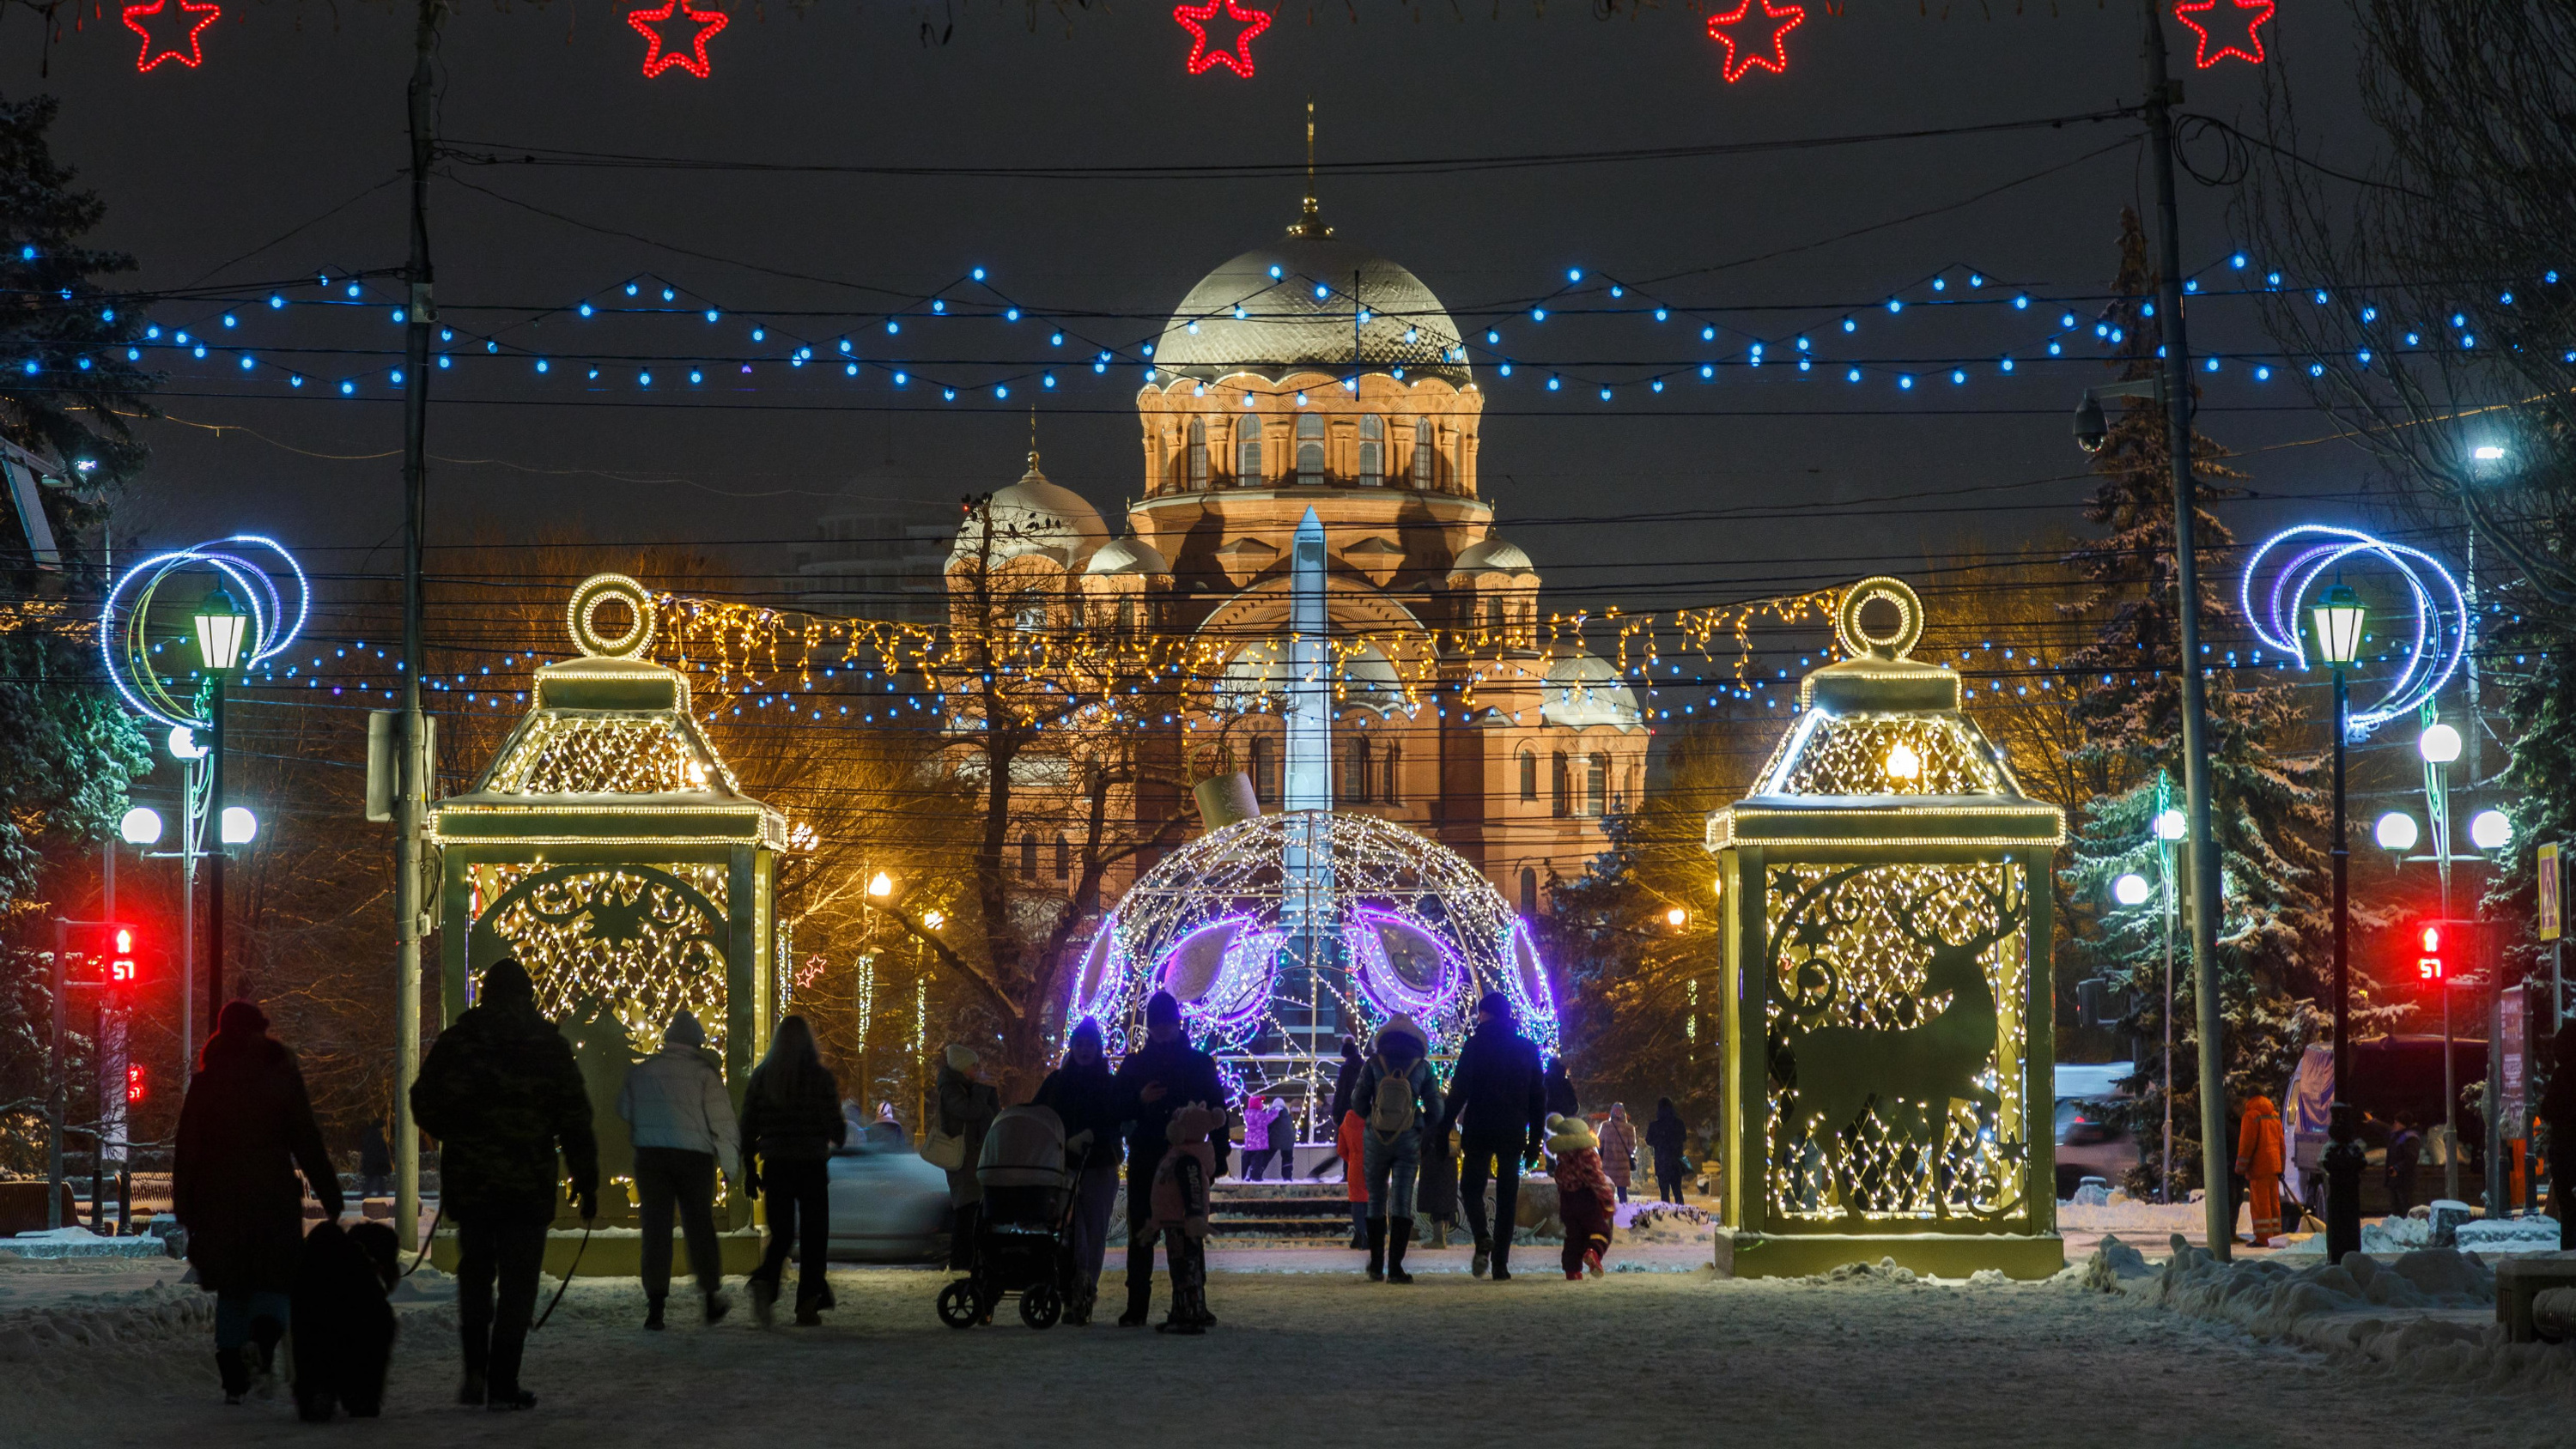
(412, 754)
(2214, 1161)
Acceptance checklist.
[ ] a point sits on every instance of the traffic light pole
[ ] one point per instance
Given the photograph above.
(2220, 1222)
(57, 1082)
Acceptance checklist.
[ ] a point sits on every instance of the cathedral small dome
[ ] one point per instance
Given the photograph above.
(1261, 313)
(1584, 690)
(1492, 555)
(1127, 556)
(1034, 516)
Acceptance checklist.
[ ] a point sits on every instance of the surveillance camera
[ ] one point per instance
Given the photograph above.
(2091, 428)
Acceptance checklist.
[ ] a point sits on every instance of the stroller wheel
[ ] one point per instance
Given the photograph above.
(1040, 1307)
(959, 1305)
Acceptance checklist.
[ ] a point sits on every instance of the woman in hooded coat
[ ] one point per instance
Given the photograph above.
(1396, 1098)
(245, 1128)
(967, 1105)
(791, 1118)
(1082, 1094)
(1619, 1149)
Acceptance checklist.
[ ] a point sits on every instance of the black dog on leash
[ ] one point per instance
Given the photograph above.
(344, 1328)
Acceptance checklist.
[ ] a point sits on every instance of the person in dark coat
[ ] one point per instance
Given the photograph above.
(967, 1105)
(1500, 1095)
(1666, 1136)
(375, 1163)
(501, 1093)
(791, 1119)
(1080, 1092)
(1157, 1079)
(1561, 1101)
(1345, 1078)
(246, 1126)
(2405, 1154)
(2558, 1109)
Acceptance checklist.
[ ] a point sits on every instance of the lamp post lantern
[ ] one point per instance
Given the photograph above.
(221, 628)
(2338, 615)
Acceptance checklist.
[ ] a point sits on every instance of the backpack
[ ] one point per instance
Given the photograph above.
(1392, 1111)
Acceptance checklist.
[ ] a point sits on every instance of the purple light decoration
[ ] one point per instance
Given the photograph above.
(1382, 983)
(1531, 995)
(1229, 1006)
(2441, 614)
(1091, 983)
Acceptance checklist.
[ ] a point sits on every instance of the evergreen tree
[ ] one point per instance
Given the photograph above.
(2268, 815)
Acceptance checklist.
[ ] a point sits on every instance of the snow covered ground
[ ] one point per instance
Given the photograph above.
(1300, 1358)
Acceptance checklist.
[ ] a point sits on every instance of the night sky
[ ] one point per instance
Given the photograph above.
(299, 108)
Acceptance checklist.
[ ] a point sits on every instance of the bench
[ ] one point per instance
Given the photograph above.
(2521, 1279)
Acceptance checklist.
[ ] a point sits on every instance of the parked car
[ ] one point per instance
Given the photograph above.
(888, 1206)
(2089, 1142)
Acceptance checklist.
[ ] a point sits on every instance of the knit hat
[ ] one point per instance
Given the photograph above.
(1569, 1134)
(961, 1057)
(684, 1030)
(1162, 1009)
(241, 1018)
(1496, 1003)
(1087, 1027)
(1402, 1025)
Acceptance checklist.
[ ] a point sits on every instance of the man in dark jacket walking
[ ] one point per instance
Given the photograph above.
(246, 1127)
(2558, 1109)
(1083, 1095)
(1498, 1091)
(1156, 1080)
(500, 1091)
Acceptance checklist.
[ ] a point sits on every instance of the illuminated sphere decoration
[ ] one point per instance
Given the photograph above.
(256, 575)
(1282, 933)
(2439, 744)
(2131, 889)
(2490, 830)
(2396, 830)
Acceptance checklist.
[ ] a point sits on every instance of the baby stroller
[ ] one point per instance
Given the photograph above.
(1019, 1245)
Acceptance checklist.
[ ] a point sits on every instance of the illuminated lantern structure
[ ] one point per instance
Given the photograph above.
(1888, 1089)
(610, 851)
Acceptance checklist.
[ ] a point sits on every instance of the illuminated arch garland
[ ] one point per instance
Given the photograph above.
(124, 632)
(2304, 554)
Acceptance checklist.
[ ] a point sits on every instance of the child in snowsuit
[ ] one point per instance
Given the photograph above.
(1583, 1195)
(1181, 1214)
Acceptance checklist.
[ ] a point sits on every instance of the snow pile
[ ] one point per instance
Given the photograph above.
(2426, 1316)
(2123, 1214)
(79, 1242)
(151, 1318)
(1885, 1271)
(1661, 1222)
(2489, 1237)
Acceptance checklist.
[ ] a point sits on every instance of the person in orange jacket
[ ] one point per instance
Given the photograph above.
(1349, 1146)
(2258, 1161)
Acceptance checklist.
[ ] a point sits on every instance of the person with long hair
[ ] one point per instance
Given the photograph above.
(1080, 1093)
(246, 1127)
(791, 1121)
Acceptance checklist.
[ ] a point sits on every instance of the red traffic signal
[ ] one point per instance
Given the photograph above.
(116, 947)
(2445, 949)
(134, 1082)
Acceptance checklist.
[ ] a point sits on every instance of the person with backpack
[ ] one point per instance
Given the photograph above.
(1498, 1093)
(500, 1091)
(1402, 1097)
(1158, 1078)
(791, 1118)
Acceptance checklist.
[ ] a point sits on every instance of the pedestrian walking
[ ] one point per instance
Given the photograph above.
(502, 1094)
(791, 1121)
(2405, 1153)
(246, 1127)
(2558, 1109)
(1666, 1136)
(1402, 1097)
(1282, 1139)
(967, 1105)
(2258, 1161)
(1582, 1195)
(890, 1127)
(375, 1162)
(1345, 1077)
(682, 1124)
(1258, 1115)
(1180, 1208)
(1618, 1148)
(1349, 1136)
(1561, 1101)
(1081, 1092)
(1157, 1079)
(1498, 1095)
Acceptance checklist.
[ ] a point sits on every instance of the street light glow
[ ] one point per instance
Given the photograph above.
(221, 627)
(141, 826)
(1676, 917)
(2488, 453)
(2395, 831)
(183, 744)
(2439, 744)
(880, 885)
(2172, 826)
(240, 826)
(2130, 889)
(2490, 830)
(2339, 614)
(933, 919)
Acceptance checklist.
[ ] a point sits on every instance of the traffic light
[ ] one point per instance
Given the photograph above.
(2447, 950)
(2429, 962)
(114, 947)
(134, 1082)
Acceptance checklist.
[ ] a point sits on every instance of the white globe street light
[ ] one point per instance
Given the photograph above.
(2130, 889)
(2439, 744)
(183, 744)
(2396, 831)
(2490, 830)
(240, 826)
(141, 826)
(2172, 826)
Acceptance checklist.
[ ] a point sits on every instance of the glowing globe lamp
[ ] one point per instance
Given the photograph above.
(141, 826)
(2172, 826)
(2490, 830)
(2396, 831)
(2130, 889)
(2439, 744)
(880, 885)
(241, 827)
(183, 744)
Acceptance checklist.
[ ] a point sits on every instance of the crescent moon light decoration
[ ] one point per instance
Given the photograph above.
(124, 633)
(2280, 573)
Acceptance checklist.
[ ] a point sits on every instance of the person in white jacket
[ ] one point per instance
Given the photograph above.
(683, 1125)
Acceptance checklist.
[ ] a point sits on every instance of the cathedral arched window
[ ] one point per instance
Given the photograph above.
(1558, 787)
(1247, 450)
(1126, 616)
(1265, 769)
(1423, 451)
(1029, 856)
(1355, 777)
(1063, 858)
(1392, 792)
(1529, 891)
(1372, 451)
(1629, 798)
(1310, 448)
(1494, 614)
(1198, 453)
(1529, 774)
(1596, 785)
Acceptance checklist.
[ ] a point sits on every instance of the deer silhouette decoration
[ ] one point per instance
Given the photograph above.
(1909, 1075)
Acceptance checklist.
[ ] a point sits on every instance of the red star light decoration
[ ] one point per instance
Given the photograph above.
(1236, 58)
(2236, 23)
(180, 25)
(661, 53)
(1765, 38)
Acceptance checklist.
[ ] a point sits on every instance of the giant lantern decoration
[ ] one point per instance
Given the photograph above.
(611, 852)
(1887, 1030)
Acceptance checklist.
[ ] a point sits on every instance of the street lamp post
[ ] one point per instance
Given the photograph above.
(221, 628)
(2339, 617)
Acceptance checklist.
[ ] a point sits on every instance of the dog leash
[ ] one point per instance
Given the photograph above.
(569, 1270)
(427, 1238)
